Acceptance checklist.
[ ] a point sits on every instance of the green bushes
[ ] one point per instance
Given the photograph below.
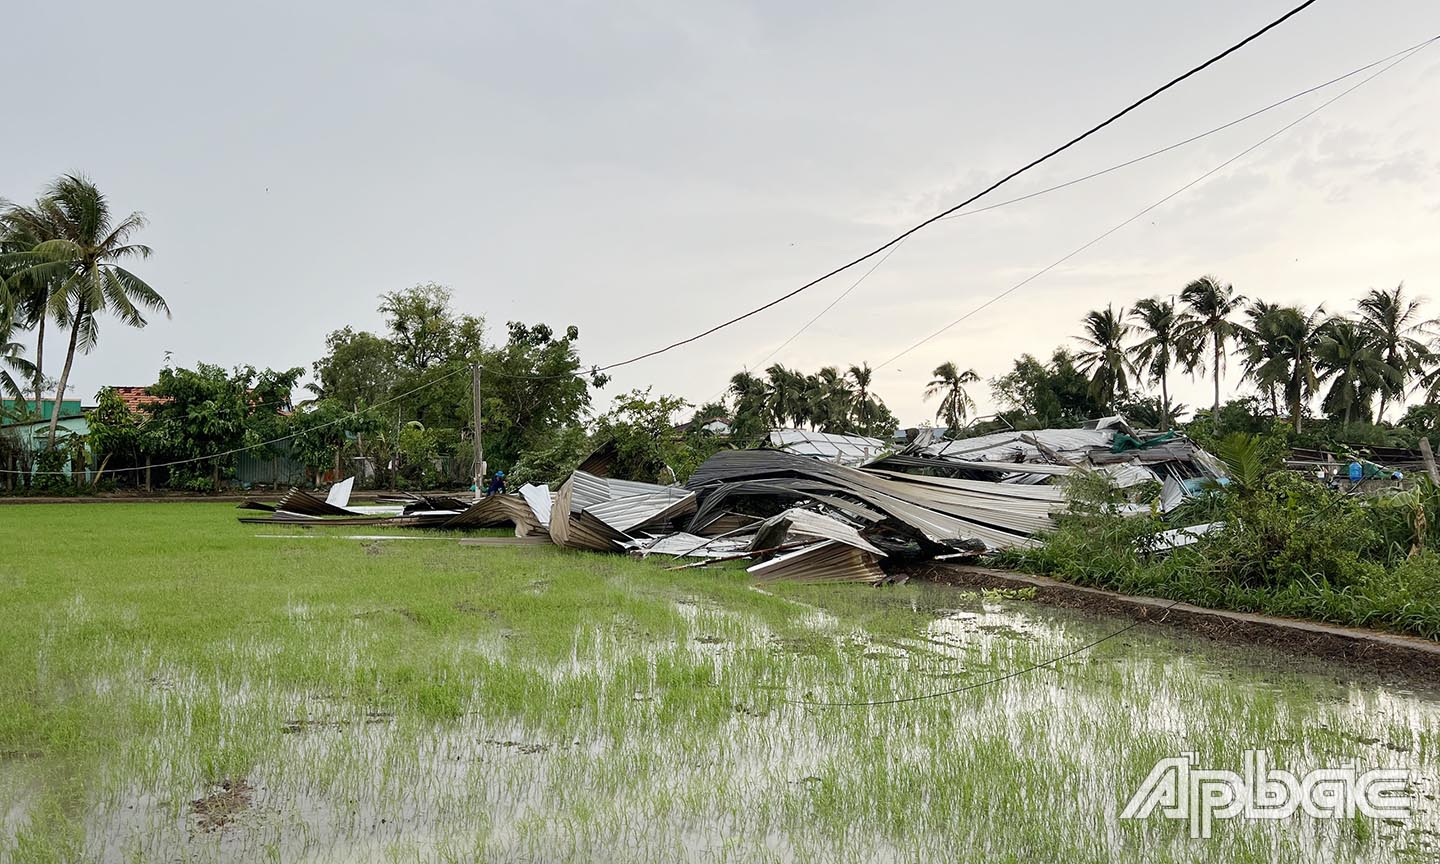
(1289, 546)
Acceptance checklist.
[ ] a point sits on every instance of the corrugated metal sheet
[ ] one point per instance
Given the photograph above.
(626, 505)
(682, 545)
(999, 516)
(587, 490)
(587, 532)
(808, 523)
(496, 511)
(539, 499)
(726, 523)
(830, 447)
(299, 501)
(634, 512)
(560, 513)
(830, 561)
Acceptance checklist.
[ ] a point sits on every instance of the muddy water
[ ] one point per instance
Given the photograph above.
(717, 751)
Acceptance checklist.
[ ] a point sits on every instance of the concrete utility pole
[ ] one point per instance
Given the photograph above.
(479, 446)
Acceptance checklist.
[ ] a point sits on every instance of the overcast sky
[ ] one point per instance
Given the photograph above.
(646, 169)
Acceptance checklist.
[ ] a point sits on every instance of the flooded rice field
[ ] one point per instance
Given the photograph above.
(537, 705)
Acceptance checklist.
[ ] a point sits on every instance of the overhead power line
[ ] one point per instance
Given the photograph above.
(1102, 172)
(988, 189)
(1273, 135)
(876, 251)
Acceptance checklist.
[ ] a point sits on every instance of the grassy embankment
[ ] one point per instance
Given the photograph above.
(1288, 547)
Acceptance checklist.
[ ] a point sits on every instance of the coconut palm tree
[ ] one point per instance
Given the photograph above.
(833, 402)
(1105, 359)
(1246, 340)
(949, 384)
(1282, 352)
(1159, 348)
(12, 359)
(751, 408)
(1347, 355)
(747, 386)
(26, 297)
(1211, 306)
(861, 377)
(79, 255)
(786, 396)
(1394, 323)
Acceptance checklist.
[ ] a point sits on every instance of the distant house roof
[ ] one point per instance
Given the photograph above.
(703, 423)
(136, 398)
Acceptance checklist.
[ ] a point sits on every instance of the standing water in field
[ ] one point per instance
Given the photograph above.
(416, 702)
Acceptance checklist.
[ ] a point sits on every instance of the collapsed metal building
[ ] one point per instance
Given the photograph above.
(813, 506)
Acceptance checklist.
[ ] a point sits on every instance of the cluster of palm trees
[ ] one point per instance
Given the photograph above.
(829, 400)
(61, 263)
(1362, 363)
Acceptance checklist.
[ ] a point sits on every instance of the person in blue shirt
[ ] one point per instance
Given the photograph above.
(497, 484)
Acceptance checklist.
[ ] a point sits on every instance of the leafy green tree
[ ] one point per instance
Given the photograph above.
(1146, 411)
(1159, 348)
(419, 451)
(322, 430)
(1211, 306)
(207, 411)
(1043, 395)
(1394, 324)
(533, 386)
(647, 445)
(26, 295)
(1422, 420)
(431, 347)
(358, 368)
(949, 384)
(831, 401)
(1105, 359)
(79, 255)
(862, 377)
(424, 329)
(118, 434)
(551, 462)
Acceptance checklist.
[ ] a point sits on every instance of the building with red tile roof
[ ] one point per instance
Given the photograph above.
(138, 398)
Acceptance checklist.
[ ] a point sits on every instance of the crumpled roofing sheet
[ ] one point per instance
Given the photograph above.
(683, 545)
(718, 497)
(496, 510)
(830, 561)
(940, 509)
(831, 447)
(1072, 445)
(808, 523)
(599, 512)
(539, 498)
(299, 501)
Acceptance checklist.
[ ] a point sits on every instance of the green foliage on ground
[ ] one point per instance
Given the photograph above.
(1289, 546)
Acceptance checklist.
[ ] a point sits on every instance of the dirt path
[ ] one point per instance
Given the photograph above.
(1404, 657)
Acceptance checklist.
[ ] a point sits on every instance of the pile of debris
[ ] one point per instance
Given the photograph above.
(528, 512)
(1109, 446)
(813, 517)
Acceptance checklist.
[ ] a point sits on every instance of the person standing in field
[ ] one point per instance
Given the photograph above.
(497, 484)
